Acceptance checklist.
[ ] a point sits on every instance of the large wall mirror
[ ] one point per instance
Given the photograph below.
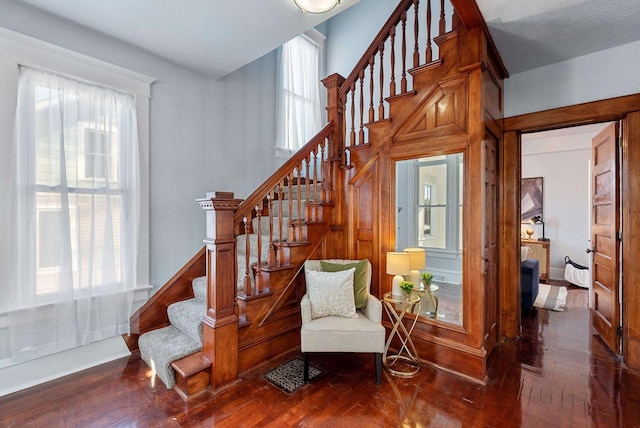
(429, 195)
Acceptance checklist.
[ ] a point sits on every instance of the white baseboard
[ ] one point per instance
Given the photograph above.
(35, 372)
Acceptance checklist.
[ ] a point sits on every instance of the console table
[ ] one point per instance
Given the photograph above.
(539, 251)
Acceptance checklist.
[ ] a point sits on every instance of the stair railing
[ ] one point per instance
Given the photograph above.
(364, 93)
(288, 200)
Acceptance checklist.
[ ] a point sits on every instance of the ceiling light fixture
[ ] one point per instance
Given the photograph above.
(316, 6)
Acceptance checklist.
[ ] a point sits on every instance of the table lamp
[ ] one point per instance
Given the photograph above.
(418, 261)
(538, 220)
(398, 264)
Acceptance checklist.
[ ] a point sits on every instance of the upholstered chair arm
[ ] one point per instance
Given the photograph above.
(373, 310)
(305, 309)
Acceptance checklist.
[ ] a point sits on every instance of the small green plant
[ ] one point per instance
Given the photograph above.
(426, 278)
(406, 286)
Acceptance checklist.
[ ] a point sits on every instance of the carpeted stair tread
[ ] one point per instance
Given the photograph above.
(159, 348)
(186, 316)
(199, 286)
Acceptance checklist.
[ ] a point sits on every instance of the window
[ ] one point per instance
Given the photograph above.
(76, 211)
(439, 202)
(299, 111)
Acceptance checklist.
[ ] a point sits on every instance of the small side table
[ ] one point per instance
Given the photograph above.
(396, 308)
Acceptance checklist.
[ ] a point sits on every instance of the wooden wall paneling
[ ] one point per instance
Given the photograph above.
(631, 240)
(509, 292)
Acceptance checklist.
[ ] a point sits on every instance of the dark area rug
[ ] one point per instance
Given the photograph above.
(290, 375)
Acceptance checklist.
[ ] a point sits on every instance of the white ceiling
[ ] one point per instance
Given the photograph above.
(533, 33)
(210, 37)
(215, 37)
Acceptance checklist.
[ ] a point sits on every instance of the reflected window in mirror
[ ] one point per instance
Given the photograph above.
(429, 194)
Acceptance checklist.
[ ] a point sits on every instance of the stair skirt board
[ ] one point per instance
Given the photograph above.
(159, 348)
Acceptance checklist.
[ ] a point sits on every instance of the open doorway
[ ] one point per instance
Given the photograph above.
(560, 219)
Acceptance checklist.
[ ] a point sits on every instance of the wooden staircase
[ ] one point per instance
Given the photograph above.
(334, 198)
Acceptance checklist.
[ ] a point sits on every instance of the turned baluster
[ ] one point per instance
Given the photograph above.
(324, 171)
(361, 132)
(300, 215)
(247, 248)
(352, 136)
(416, 50)
(403, 81)
(381, 106)
(315, 175)
(371, 86)
(443, 22)
(392, 85)
(259, 234)
(429, 54)
(272, 255)
(307, 183)
(280, 251)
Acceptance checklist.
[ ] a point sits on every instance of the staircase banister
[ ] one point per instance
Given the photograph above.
(258, 196)
(375, 45)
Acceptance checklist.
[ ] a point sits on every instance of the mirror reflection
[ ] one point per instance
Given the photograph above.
(429, 213)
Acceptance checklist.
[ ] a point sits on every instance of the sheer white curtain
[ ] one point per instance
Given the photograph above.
(75, 217)
(299, 108)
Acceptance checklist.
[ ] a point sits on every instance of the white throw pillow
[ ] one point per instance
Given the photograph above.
(331, 293)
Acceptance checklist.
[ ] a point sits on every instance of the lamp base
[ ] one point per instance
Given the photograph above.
(543, 239)
(395, 289)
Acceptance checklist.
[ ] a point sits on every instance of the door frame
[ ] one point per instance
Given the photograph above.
(627, 110)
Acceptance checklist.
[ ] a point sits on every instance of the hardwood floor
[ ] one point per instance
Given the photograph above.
(559, 374)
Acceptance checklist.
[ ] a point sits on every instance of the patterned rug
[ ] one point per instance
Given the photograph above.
(551, 297)
(290, 375)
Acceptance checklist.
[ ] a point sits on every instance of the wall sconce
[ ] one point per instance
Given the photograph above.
(538, 220)
(316, 6)
(418, 261)
(398, 264)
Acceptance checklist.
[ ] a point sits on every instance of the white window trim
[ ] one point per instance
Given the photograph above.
(18, 49)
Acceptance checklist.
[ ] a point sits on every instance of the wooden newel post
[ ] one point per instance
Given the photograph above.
(335, 111)
(220, 324)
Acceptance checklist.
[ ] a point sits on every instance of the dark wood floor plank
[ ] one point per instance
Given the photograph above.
(558, 374)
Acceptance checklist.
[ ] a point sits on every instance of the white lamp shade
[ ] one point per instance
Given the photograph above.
(418, 258)
(418, 261)
(316, 6)
(398, 263)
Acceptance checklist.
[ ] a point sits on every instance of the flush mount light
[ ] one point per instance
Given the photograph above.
(316, 6)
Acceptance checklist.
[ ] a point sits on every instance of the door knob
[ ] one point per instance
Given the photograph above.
(591, 250)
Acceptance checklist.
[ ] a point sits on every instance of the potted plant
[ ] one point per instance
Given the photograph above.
(406, 287)
(426, 280)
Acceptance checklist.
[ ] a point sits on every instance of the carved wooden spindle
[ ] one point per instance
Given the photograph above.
(307, 168)
(403, 81)
(324, 171)
(361, 131)
(280, 250)
(247, 248)
(371, 87)
(443, 22)
(300, 215)
(259, 234)
(392, 85)
(290, 195)
(455, 20)
(352, 136)
(416, 50)
(315, 175)
(429, 53)
(272, 255)
(381, 105)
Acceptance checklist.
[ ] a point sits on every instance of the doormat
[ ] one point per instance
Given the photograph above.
(551, 297)
(290, 375)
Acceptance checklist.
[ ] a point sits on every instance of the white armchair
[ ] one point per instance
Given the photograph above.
(342, 334)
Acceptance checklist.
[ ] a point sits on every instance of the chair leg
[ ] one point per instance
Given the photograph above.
(378, 368)
(306, 367)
